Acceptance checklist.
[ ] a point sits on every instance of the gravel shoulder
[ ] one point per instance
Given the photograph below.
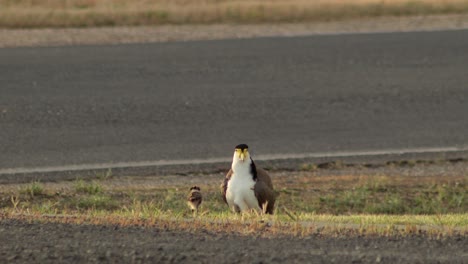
(145, 34)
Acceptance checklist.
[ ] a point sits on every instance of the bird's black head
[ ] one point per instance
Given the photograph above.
(195, 188)
(242, 147)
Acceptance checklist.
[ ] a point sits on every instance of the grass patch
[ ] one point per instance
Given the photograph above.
(376, 195)
(308, 204)
(86, 13)
(95, 202)
(87, 187)
(267, 226)
(104, 175)
(33, 189)
(300, 192)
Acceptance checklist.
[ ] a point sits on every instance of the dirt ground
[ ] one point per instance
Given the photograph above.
(24, 242)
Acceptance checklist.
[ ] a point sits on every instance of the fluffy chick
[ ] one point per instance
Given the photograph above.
(194, 199)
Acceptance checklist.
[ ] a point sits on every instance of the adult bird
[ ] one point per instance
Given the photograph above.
(246, 187)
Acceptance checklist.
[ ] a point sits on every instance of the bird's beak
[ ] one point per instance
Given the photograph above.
(242, 156)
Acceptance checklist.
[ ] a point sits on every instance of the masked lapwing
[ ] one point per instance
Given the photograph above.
(194, 199)
(246, 187)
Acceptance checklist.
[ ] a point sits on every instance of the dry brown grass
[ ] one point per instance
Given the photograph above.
(84, 13)
(248, 225)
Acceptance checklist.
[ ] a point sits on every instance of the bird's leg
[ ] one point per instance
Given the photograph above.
(264, 207)
(257, 211)
(236, 209)
(240, 205)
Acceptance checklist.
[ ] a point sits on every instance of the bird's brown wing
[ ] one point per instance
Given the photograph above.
(263, 176)
(225, 184)
(264, 192)
(195, 197)
(266, 197)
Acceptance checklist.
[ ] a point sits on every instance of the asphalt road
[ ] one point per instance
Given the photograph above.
(197, 100)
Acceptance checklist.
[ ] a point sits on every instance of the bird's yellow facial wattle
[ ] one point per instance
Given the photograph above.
(242, 153)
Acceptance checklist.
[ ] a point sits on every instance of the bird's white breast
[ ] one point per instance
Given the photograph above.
(240, 188)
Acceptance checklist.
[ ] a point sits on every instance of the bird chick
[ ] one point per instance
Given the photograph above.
(194, 199)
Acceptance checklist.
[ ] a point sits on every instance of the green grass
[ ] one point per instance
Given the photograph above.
(333, 195)
(90, 13)
(104, 175)
(372, 204)
(33, 189)
(95, 202)
(380, 195)
(148, 215)
(87, 187)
